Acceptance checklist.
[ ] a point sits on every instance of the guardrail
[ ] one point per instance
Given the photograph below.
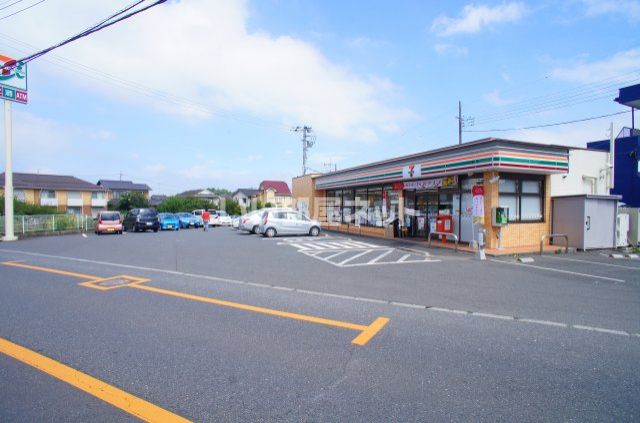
(54, 223)
(551, 236)
(446, 234)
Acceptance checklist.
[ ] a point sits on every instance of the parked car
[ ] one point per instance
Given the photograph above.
(287, 222)
(250, 222)
(235, 222)
(189, 220)
(142, 220)
(169, 221)
(219, 218)
(109, 222)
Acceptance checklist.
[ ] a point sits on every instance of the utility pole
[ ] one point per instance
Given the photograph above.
(8, 175)
(308, 141)
(463, 122)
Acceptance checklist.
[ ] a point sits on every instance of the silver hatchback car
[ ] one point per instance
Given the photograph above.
(287, 222)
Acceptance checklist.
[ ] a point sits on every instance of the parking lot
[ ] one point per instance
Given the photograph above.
(224, 325)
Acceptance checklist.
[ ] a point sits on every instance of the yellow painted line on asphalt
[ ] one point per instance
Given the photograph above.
(49, 270)
(125, 401)
(366, 331)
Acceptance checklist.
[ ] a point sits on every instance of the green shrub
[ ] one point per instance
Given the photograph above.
(22, 208)
(178, 204)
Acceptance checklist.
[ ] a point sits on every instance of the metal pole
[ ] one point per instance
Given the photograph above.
(459, 122)
(8, 176)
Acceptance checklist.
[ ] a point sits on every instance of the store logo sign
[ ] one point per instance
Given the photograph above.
(412, 171)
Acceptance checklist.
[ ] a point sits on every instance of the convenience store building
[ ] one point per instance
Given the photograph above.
(402, 197)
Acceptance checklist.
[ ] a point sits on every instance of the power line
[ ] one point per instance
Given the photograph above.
(21, 10)
(6, 7)
(551, 124)
(105, 23)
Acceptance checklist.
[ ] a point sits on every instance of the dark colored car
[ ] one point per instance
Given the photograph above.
(142, 220)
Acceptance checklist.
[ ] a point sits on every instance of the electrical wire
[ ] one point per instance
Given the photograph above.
(105, 23)
(21, 10)
(6, 7)
(550, 124)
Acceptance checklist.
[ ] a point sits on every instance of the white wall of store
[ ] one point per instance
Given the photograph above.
(582, 163)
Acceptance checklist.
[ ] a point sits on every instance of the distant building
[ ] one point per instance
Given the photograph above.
(275, 192)
(245, 196)
(626, 165)
(65, 193)
(115, 188)
(201, 193)
(155, 200)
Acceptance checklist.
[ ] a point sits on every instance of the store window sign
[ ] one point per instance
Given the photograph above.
(432, 183)
(412, 171)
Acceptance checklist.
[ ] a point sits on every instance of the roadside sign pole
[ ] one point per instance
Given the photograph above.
(8, 175)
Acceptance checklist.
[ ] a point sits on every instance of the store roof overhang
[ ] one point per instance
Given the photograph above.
(479, 156)
(629, 96)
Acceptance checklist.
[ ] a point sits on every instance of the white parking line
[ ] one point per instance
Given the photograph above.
(551, 269)
(597, 263)
(403, 258)
(343, 262)
(381, 256)
(329, 257)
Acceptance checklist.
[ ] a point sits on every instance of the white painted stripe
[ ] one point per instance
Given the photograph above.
(396, 303)
(403, 258)
(329, 257)
(387, 263)
(381, 256)
(447, 310)
(492, 316)
(602, 330)
(282, 288)
(326, 245)
(371, 300)
(339, 245)
(359, 244)
(596, 263)
(312, 246)
(544, 322)
(551, 269)
(354, 257)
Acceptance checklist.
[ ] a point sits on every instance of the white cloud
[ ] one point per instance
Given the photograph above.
(475, 18)
(495, 98)
(627, 8)
(202, 50)
(444, 49)
(587, 72)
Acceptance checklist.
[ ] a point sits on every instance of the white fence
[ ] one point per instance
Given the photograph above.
(52, 223)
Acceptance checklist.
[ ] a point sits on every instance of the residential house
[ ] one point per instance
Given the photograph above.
(116, 188)
(245, 196)
(155, 200)
(66, 193)
(201, 193)
(275, 192)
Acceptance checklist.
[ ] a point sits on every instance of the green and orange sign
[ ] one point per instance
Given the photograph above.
(13, 80)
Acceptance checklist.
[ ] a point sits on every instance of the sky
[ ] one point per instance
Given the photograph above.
(204, 93)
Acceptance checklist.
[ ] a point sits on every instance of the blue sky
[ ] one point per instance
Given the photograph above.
(203, 93)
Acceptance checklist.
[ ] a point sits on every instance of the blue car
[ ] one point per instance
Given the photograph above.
(188, 220)
(169, 221)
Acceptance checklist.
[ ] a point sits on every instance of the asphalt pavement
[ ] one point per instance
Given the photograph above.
(227, 326)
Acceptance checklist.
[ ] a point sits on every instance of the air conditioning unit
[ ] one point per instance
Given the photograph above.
(634, 224)
(622, 230)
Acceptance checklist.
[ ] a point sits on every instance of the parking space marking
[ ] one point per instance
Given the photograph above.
(366, 331)
(343, 262)
(597, 263)
(430, 308)
(380, 257)
(551, 269)
(125, 401)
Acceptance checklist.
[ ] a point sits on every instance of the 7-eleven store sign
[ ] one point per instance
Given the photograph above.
(13, 81)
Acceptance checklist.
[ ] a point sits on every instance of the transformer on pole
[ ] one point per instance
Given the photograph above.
(308, 141)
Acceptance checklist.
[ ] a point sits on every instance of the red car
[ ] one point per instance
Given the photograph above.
(109, 222)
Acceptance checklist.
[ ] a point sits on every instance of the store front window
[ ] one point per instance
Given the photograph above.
(374, 207)
(348, 206)
(523, 195)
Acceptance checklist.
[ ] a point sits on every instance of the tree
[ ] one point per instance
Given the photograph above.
(222, 192)
(232, 207)
(132, 200)
(178, 204)
(267, 204)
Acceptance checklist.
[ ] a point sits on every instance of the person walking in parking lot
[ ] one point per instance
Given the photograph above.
(205, 219)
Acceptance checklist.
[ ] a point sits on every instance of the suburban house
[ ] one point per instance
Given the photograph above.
(66, 193)
(155, 200)
(115, 188)
(275, 192)
(201, 193)
(245, 196)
